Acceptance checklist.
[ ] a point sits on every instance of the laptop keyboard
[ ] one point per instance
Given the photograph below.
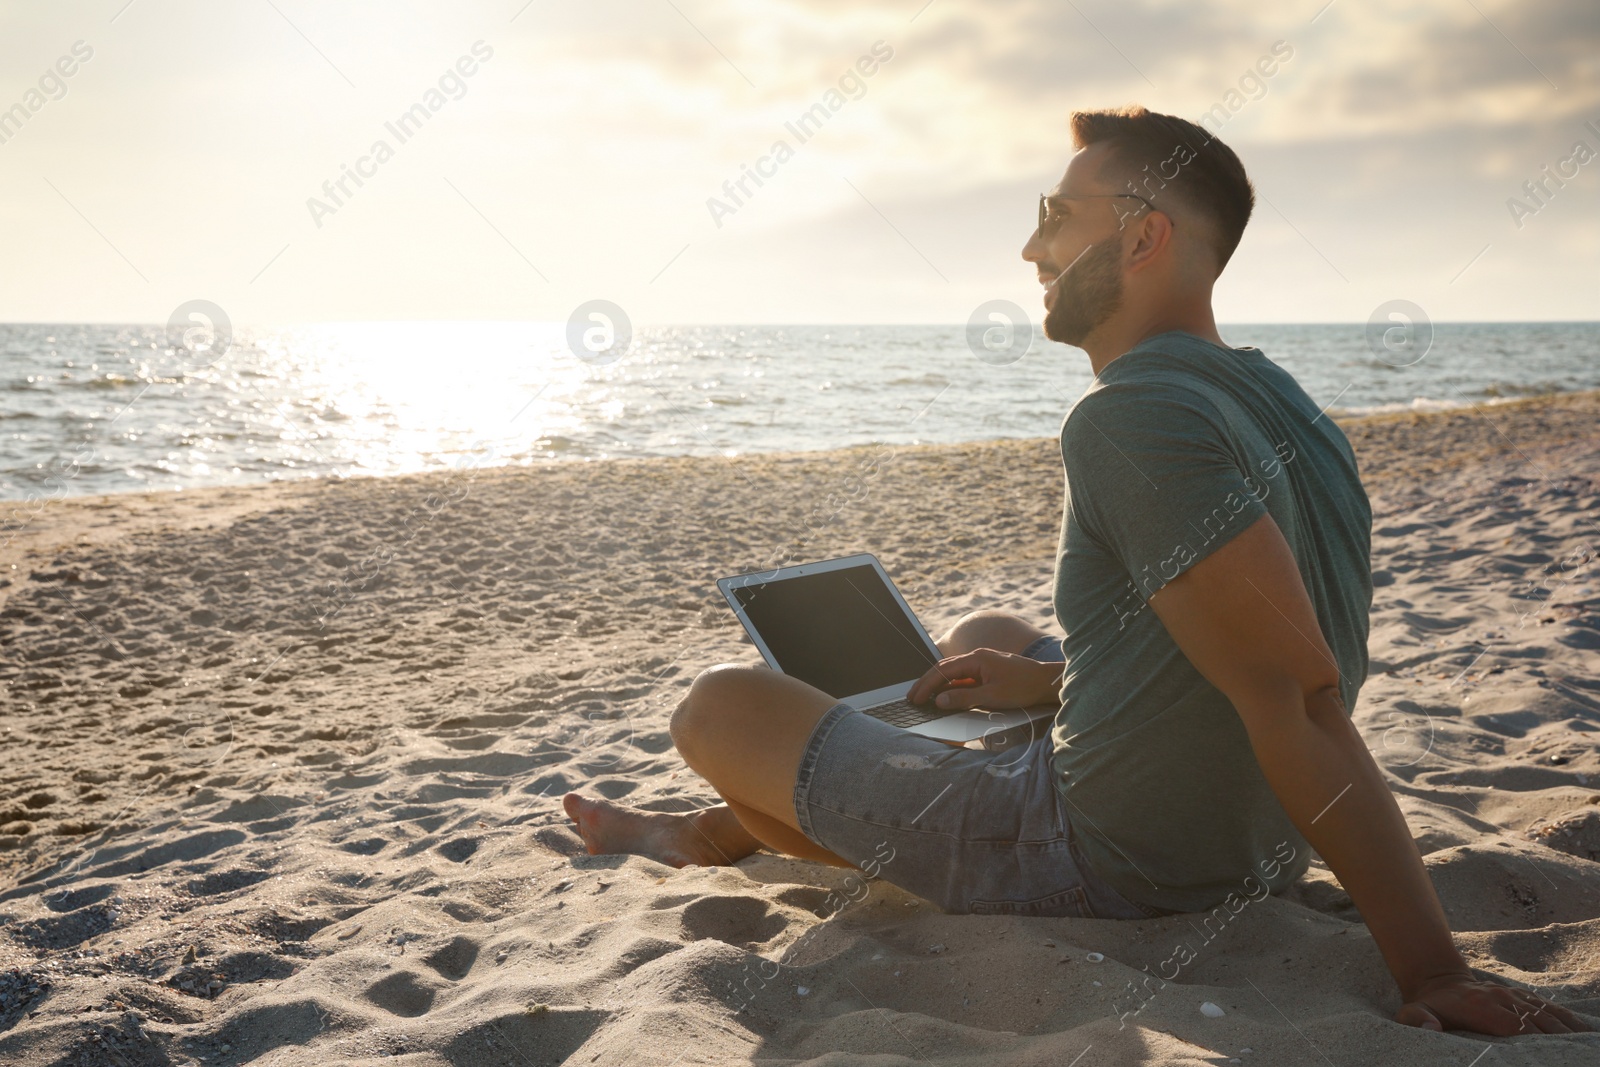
(905, 713)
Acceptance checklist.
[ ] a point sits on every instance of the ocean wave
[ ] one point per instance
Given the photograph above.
(1513, 390)
(1428, 404)
(933, 380)
(104, 382)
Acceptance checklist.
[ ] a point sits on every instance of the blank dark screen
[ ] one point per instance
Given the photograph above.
(840, 631)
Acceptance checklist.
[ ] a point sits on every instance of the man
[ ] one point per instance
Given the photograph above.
(1213, 583)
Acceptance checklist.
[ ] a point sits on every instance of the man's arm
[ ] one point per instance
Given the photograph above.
(1243, 618)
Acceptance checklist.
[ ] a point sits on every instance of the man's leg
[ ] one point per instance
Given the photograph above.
(988, 629)
(743, 729)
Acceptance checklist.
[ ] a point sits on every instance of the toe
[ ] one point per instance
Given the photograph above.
(575, 804)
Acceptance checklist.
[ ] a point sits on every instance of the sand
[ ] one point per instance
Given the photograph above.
(280, 772)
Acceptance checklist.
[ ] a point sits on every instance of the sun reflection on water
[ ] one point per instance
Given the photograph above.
(401, 397)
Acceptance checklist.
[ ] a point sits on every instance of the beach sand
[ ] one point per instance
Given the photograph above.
(281, 767)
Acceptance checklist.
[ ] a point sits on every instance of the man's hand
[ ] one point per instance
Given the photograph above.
(986, 678)
(1462, 1002)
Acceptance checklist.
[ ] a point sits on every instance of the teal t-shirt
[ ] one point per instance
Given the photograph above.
(1177, 446)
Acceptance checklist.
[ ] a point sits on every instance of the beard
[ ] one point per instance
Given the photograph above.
(1090, 293)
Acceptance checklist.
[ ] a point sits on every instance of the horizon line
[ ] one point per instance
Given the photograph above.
(784, 325)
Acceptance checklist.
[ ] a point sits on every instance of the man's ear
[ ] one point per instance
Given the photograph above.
(1153, 233)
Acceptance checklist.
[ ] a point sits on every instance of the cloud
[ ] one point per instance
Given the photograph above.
(595, 137)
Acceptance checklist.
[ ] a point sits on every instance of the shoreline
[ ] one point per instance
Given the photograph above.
(142, 507)
(1342, 416)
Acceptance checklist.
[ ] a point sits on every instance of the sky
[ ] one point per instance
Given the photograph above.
(562, 151)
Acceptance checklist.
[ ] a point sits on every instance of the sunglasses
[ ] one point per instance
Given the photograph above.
(1048, 223)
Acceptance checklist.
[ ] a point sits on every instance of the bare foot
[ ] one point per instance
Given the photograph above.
(608, 829)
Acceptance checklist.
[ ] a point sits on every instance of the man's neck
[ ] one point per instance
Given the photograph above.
(1113, 340)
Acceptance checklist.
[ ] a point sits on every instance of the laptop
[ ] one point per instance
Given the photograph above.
(841, 625)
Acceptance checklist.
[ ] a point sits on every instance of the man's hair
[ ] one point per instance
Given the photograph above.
(1147, 151)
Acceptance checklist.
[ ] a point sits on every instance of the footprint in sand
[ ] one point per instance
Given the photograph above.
(403, 993)
(454, 959)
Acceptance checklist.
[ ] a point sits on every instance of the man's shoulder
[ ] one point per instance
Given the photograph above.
(1157, 394)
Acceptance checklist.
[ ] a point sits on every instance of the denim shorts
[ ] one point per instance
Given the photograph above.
(979, 832)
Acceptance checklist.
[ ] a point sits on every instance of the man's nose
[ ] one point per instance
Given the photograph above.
(1033, 249)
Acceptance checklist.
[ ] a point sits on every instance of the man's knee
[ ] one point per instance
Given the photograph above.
(989, 629)
(715, 692)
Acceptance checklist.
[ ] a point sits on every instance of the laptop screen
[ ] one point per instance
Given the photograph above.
(841, 630)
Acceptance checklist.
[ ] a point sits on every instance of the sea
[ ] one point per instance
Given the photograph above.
(90, 409)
